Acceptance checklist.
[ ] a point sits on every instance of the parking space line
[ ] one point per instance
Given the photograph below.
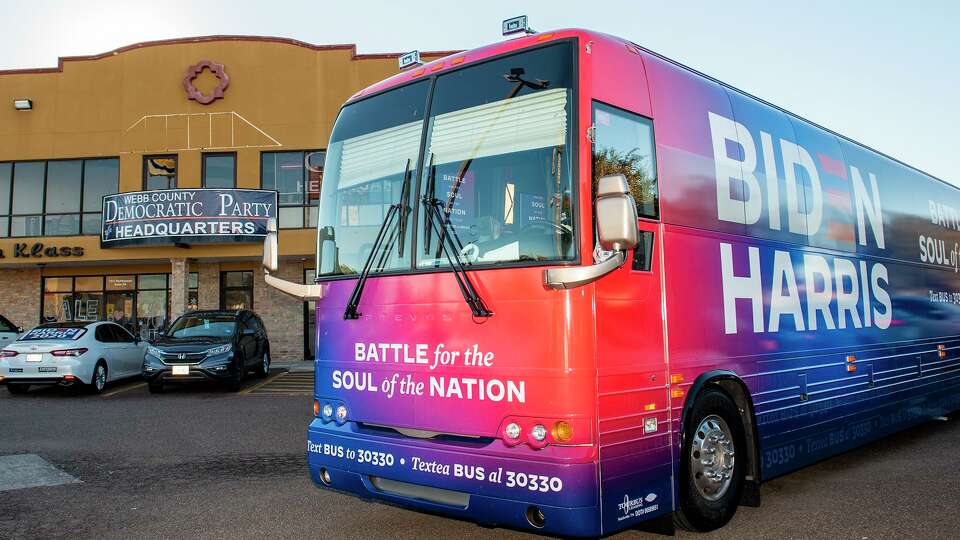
(263, 382)
(124, 389)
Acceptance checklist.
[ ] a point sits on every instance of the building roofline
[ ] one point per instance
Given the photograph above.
(352, 47)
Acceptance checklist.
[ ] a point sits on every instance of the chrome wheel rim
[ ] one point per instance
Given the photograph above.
(100, 377)
(712, 457)
(266, 362)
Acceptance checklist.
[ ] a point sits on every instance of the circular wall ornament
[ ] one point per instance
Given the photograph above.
(194, 71)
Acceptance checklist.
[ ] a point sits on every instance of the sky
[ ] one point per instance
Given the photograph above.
(885, 73)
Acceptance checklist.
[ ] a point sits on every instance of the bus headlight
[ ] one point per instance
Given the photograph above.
(512, 430)
(538, 432)
(327, 411)
(341, 414)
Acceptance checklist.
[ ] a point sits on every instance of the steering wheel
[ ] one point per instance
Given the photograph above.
(470, 252)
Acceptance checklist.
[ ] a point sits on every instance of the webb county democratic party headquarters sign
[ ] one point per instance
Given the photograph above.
(186, 216)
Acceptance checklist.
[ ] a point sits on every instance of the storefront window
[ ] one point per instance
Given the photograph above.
(152, 304)
(193, 287)
(296, 176)
(220, 171)
(27, 198)
(55, 198)
(236, 290)
(121, 283)
(88, 297)
(119, 309)
(139, 303)
(100, 178)
(6, 174)
(160, 172)
(89, 283)
(62, 205)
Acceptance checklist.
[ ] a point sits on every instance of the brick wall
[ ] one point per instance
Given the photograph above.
(282, 314)
(20, 298)
(208, 286)
(178, 288)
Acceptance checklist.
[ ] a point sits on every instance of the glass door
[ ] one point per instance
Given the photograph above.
(119, 309)
(151, 313)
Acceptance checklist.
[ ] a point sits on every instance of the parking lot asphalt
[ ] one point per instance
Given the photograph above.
(201, 462)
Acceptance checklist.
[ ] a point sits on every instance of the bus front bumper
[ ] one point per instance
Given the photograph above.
(522, 490)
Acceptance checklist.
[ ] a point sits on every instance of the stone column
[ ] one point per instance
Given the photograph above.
(179, 287)
(208, 294)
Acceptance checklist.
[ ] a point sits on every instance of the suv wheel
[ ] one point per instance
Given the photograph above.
(264, 368)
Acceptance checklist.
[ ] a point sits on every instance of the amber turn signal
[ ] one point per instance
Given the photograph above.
(562, 431)
(316, 408)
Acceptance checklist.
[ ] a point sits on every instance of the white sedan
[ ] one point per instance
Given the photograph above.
(68, 353)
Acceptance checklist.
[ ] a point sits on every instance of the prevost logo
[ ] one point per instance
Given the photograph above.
(40, 250)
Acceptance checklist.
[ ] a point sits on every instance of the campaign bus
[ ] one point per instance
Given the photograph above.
(567, 285)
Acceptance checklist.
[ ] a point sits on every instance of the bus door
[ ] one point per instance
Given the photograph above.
(634, 403)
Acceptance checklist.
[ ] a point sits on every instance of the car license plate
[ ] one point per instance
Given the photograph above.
(34, 357)
(42, 369)
(181, 370)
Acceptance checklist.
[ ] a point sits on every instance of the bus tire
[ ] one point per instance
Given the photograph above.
(713, 463)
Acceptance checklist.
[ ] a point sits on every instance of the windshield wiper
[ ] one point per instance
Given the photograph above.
(440, 223)
(398, 208)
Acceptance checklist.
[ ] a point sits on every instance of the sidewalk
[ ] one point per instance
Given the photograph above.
(292, 366)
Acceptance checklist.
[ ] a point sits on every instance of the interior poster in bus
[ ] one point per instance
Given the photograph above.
(461, 202)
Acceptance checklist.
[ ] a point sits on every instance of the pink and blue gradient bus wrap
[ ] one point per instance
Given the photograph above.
(814, 278)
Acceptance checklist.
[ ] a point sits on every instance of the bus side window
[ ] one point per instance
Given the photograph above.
(623, 144)
(643, 255)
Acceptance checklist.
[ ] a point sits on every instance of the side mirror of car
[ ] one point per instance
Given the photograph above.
(19, 329)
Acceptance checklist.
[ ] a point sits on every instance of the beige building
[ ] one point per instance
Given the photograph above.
(229, 112)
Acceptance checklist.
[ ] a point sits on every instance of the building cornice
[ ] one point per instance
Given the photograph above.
(351, 47)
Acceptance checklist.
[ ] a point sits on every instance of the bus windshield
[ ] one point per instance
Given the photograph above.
(496, 163)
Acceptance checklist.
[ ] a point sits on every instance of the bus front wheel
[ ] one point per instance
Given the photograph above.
(713, 463)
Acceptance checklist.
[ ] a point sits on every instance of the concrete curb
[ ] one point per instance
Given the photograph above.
(299, 366)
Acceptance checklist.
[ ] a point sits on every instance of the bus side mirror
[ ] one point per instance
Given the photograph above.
(326, 250)
(271, 264)
(270, 247)
(616, 214)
